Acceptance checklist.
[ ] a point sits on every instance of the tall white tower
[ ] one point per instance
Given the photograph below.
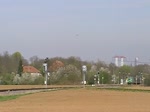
(136, 61)
(116, 60)
(122, 60)
(119, 60)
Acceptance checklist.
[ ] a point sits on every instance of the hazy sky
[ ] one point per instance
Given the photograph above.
(90, 29)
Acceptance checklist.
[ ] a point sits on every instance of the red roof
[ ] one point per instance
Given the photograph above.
(30, 69)
(119, 57)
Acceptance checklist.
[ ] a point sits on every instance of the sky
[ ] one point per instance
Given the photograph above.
(89, 29)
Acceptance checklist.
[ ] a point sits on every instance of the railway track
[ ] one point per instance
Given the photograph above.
(13, 91)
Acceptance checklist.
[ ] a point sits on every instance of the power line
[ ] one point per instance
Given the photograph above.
(137, 62)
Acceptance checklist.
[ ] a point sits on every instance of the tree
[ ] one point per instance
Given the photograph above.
(66, 75)
(105, 76)
(6, 63)
(100, 64)
(20, 67)
(76, 61)
(112, 68)
(6, 79)
(36, 62)
(16, 57)
(56, 65)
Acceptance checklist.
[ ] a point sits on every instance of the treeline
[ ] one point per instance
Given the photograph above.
(9, 62)
(69, 71)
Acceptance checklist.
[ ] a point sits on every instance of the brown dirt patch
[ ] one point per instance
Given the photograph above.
(80, 100)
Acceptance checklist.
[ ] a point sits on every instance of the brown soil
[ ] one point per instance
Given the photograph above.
(79, 100)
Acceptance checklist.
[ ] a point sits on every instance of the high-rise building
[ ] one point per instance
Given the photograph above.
(119, 60)
(136, 61)
(116, 60)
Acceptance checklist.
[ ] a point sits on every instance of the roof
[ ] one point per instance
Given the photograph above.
(30, 69)
(119, 57)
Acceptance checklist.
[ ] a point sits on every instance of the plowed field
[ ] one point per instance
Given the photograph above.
(79, 100)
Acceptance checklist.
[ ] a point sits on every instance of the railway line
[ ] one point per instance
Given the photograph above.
(14, 90)
(25, 89)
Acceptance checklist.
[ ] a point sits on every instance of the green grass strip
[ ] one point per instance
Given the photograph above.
(11, 97)
(127, 90)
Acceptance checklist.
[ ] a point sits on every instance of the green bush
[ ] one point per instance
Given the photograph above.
(6, 79)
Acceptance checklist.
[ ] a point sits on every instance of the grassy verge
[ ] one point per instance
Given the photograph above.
(11, 97)
(126, 90)
(123, 89)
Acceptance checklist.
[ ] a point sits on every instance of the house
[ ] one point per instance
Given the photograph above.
(31, 70)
